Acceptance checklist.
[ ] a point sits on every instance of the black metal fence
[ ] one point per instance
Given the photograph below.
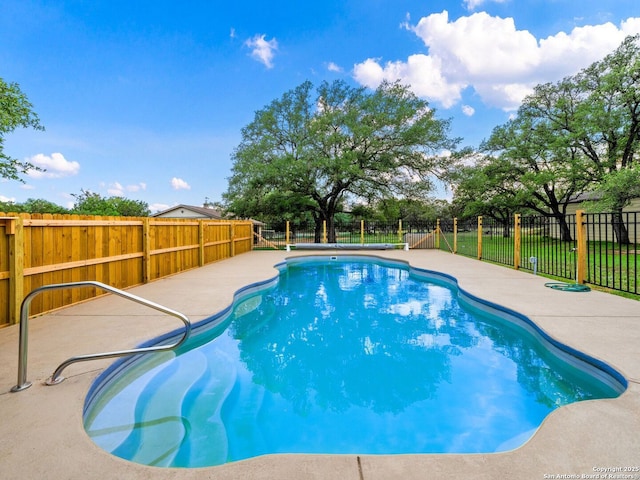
(613, 250)
(549, 247)
(279, 235)
(539, 244)
(543, 249)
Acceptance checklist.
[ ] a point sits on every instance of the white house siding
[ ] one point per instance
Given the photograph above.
(603, 231)
(180, 213)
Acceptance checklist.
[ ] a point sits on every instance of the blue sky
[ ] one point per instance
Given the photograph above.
(146, 99)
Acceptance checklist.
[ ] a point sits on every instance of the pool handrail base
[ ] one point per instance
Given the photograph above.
(56, 378)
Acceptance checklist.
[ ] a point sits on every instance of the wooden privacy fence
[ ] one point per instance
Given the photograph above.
(37, 250)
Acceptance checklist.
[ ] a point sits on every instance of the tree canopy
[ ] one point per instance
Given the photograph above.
(90, 203)
(33, 205)
(15, 111)
(86, 203)
(485, 189)
(616, 190)
(307, 152)
(566, 138)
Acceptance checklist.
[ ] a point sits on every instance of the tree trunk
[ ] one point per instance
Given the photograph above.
(565, 231)
(317, 234)
(331, 229)
(619, 228)
(506, 228)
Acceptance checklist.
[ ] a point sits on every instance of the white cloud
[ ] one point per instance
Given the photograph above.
(179, 184)
(630, 26)
(69, 200)
(468, 110)
(334, 67)
(262, 50)
(473, 4)
(118, 190)
(55, 166)
(489, 54)
(232, 33)
(137, 187)
(422, 72)
(158, 207)
(7, 199)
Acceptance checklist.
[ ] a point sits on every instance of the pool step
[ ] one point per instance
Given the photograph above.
(160, 427)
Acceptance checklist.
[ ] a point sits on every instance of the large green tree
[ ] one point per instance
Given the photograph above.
(409, 210)
(308, 152)
(607, 127)
(15, 111)
(537, 166)
(568, 136)
(487, 188)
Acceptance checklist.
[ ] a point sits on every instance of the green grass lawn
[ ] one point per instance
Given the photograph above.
(608, 264)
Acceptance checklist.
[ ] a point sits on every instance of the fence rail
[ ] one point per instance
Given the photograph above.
(37, 250)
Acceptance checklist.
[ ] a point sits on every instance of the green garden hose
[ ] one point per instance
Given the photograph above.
(567, 287)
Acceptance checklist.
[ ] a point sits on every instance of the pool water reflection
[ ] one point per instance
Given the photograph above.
(352, 355)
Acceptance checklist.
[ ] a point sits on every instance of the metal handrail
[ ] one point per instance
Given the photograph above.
(55, 378)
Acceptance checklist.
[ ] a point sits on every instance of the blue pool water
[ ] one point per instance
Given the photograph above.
(342, 355)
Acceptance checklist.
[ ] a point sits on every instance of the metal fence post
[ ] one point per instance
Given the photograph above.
(516, 241)
(480, 238)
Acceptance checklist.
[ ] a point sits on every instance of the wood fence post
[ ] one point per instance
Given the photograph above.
(201, 243)
(146, 250)
(324, 231)
(581, 246)
(232, 233)
(287, 234)
(455, 235)
(436, 241)
(16, 268)
(400, 231)
(516, 241)
(480, 238)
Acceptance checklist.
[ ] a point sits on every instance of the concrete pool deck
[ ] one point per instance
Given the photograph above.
(42, 437)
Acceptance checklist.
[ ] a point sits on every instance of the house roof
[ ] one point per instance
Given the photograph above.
(204, 211)
(585, 197)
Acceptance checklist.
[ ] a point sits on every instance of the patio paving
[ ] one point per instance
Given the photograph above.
(41, 432)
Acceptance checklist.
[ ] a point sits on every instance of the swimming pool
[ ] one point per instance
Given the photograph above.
(361, 355)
